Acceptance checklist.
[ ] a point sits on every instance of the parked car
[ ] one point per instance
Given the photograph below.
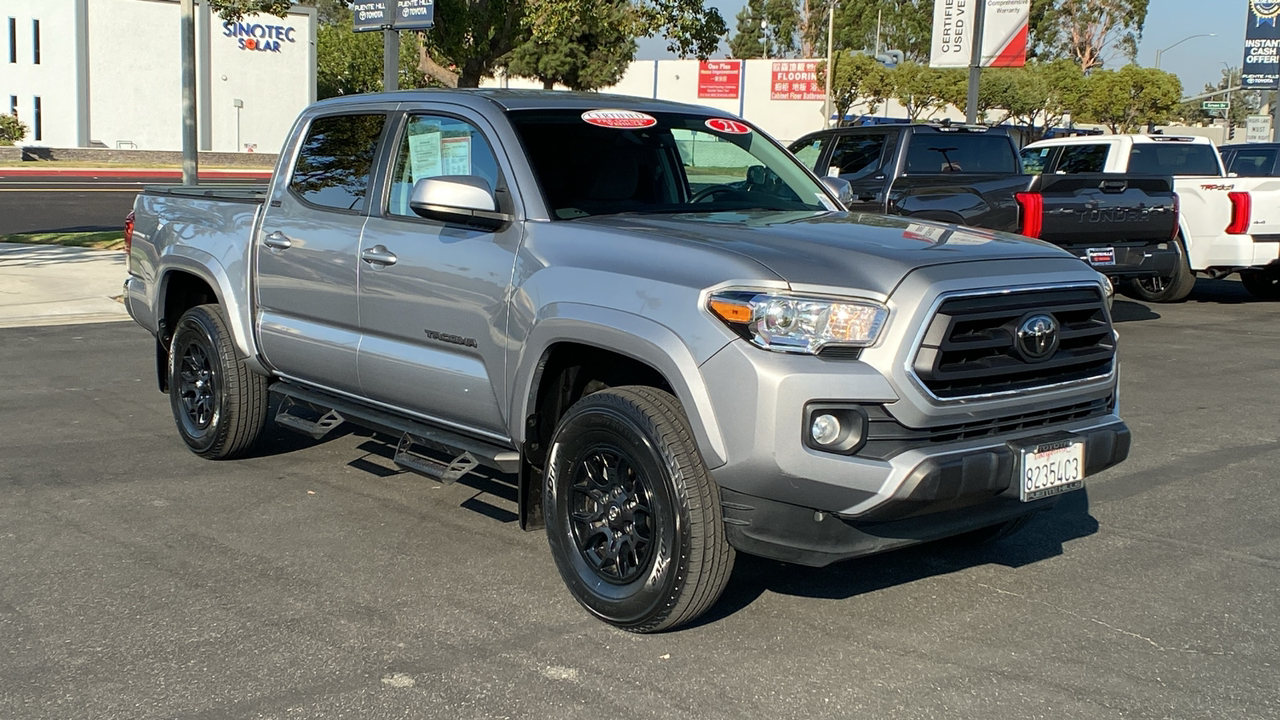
(1227, 224)
(1121, 224)
(666, 331)
(1251, 160)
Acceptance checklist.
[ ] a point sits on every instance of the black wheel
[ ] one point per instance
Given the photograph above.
(633, 517)
(992, 534)
(220, 406)
(1262, 284)
(1164, 289)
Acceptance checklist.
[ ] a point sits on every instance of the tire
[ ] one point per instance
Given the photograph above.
(1262, 284)
(633, 517)
(992, 534)
(219, 405)
(1164, 289)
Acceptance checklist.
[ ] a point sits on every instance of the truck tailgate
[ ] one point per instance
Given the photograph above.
(1106, 209)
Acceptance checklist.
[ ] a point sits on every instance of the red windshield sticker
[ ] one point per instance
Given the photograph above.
(620, 119)
(729, 127)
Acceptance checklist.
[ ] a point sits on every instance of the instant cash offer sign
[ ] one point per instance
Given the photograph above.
(1261, 46)
(393, 14)
(1004, 34)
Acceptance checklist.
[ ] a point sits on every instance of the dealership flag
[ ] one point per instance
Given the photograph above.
(1004, 36)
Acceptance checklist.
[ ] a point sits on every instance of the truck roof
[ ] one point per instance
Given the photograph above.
(509, 99)
(1134, 137)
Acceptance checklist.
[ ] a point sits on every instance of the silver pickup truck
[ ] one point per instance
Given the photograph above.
(652, 319)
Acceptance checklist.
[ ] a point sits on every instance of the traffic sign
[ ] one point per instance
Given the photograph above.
(1215, 105)
(372, 15)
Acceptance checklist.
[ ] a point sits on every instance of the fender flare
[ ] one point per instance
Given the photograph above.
(635, 336)
(197, 262)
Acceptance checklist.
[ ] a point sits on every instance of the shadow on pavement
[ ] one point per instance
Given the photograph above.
(1041, 539)
(1130, 311)
(1222, 292)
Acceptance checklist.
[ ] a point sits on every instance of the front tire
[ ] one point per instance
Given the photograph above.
(1262, 284)
(633, 516)
(1165, 289)
(219, 405)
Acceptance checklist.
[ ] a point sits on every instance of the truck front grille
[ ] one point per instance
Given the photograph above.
(970, 346)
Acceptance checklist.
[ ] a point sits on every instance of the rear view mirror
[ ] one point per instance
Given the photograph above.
(464, 199)
(840, 187)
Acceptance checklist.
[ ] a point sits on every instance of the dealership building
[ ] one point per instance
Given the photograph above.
(107, 73)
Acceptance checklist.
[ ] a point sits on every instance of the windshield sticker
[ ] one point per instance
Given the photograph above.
(619, 119)
(727, 126)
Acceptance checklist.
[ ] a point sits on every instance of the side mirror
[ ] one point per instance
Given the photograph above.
(841, 187)
(466, 199)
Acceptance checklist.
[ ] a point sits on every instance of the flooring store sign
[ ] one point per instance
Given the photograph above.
(259, 37)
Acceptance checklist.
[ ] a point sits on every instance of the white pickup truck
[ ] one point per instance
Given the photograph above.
(1227, 224)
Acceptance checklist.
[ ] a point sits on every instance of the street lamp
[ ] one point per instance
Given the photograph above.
(764, 37)
(1189, 37)
(1231, 128)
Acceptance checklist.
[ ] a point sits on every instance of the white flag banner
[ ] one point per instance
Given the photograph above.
(1004, 35)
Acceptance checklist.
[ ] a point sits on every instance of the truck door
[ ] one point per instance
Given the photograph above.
(433, 294)
(859, 158)
(307, 252)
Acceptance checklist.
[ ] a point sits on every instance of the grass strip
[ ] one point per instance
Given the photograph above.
(106, 240)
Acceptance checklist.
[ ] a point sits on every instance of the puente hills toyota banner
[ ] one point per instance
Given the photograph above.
(1261, 46)
(1004, 35)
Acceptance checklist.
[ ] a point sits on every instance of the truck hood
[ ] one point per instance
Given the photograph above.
(850, 250)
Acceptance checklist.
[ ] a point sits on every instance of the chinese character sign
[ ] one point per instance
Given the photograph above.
(796, 80)
(1261, 46)
(719, 79)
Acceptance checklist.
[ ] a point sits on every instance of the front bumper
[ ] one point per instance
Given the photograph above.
(944, 495)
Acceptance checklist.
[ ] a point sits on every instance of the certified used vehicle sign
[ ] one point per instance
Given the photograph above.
(730, 127)
(621, 119)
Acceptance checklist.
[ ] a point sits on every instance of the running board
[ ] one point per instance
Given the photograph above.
(287, 417)
(467, 452)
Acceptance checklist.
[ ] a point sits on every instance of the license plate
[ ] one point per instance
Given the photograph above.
(1101, 256)
(1052, 469)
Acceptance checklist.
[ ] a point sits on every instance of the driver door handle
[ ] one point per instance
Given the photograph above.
(277, 241)
(378, 255)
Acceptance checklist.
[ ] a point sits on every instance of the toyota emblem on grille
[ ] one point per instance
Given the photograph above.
(1037, 337)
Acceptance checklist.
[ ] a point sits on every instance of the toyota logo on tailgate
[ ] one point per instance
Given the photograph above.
(1037, 337)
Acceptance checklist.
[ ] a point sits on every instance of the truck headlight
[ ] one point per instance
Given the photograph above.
(788, 323)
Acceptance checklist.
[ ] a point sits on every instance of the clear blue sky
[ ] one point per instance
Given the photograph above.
(1196, 62)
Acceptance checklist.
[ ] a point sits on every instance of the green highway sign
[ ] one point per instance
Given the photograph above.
(1215, 105)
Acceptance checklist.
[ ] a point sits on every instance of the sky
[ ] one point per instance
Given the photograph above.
(1196, 61)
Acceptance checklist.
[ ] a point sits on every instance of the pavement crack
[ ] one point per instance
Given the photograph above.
(1113, 628)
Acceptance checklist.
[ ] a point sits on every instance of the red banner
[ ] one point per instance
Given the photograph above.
(796, 80)
(719, 79)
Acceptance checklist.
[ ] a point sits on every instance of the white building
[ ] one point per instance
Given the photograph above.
(107, 73)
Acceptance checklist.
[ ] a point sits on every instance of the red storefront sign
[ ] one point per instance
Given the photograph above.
(795, 80)
(719, 79)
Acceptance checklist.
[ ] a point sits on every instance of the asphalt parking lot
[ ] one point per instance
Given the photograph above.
(138, 581)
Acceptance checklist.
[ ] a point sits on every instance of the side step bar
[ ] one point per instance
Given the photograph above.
(467, 452)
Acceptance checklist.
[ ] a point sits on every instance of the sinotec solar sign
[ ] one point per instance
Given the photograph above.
(393, 14)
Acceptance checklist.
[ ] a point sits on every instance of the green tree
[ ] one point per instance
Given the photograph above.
(237, 9)
(1093, 32)
(858, 78)
(748, 41)
(923, 90)
(348, 62)
(778, 39)
(1126, 99)
(12, 130)
(596, 56)
(905, 25)
(1036, 96)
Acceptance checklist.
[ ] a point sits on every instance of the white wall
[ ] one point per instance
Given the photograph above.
(53, 80)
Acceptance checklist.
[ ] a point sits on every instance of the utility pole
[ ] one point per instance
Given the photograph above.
(390, 59)
(190, 142)
(975, 64)
(831, 60)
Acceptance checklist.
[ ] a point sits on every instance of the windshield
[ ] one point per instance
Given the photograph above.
(604, 162)
(1174, 158)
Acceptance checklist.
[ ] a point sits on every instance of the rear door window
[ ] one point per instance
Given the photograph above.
(1174, 158)
(1083, 159)
(1251, 162)
(857, 156)
(1034, 160)
(336, 160)
(960, 152)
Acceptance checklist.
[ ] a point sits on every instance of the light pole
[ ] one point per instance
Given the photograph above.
(831, 63)
(764, 37)
(1227, 116)
(1189, 37)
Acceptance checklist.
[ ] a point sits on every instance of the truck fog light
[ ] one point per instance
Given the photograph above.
(825, 429)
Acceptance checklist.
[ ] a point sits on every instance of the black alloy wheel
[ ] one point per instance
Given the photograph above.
(611, 517)
(219, 405)
(1164, 288)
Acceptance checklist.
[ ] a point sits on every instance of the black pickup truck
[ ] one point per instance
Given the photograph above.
(1121, 224)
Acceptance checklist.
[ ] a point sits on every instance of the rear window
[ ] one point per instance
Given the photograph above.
(960, 152)
(1254, 162)
(1083, 159)
(1174, 158)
